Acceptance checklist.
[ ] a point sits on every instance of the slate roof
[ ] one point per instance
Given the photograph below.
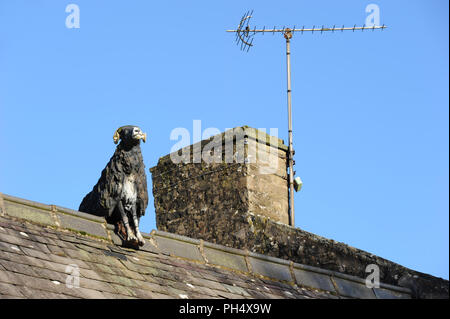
(41, 245)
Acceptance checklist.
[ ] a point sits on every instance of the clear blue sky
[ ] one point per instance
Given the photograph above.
(370, 110)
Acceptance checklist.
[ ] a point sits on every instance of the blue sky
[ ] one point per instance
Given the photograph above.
(370, 110)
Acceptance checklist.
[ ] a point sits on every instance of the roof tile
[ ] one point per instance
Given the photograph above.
(10, 290)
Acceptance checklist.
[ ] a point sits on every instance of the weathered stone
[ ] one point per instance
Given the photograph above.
(313, 280)
(382, 293)
(237, 290)
(353, 289)
(96, 285)
(170, 246)
(149, 245)
(9, 290)
(222, 258)
(30, 213)
(83, 226)
(32, 293)
(270, 269)
(18, 241)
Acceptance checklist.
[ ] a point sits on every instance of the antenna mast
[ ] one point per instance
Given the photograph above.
(244, 38)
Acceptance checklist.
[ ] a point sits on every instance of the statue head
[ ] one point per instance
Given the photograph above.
(129, 133)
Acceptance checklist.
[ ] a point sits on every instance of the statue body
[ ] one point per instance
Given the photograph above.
(120, 194)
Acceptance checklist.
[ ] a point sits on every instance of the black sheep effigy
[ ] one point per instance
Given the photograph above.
(120, 194)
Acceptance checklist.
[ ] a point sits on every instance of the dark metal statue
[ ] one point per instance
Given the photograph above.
(120, 194)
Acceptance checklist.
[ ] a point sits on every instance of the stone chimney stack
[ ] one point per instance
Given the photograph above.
(209, 189)
(232, 190)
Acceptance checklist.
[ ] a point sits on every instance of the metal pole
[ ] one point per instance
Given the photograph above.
(288, 36)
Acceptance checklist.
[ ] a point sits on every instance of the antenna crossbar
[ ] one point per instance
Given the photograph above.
(283, 30)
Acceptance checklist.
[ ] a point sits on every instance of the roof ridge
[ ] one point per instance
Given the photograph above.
(196, 250)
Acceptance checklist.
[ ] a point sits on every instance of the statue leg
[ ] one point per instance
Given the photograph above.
(123, 214)
(136, 226)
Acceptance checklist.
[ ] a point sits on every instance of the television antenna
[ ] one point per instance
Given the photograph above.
(244, 38)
